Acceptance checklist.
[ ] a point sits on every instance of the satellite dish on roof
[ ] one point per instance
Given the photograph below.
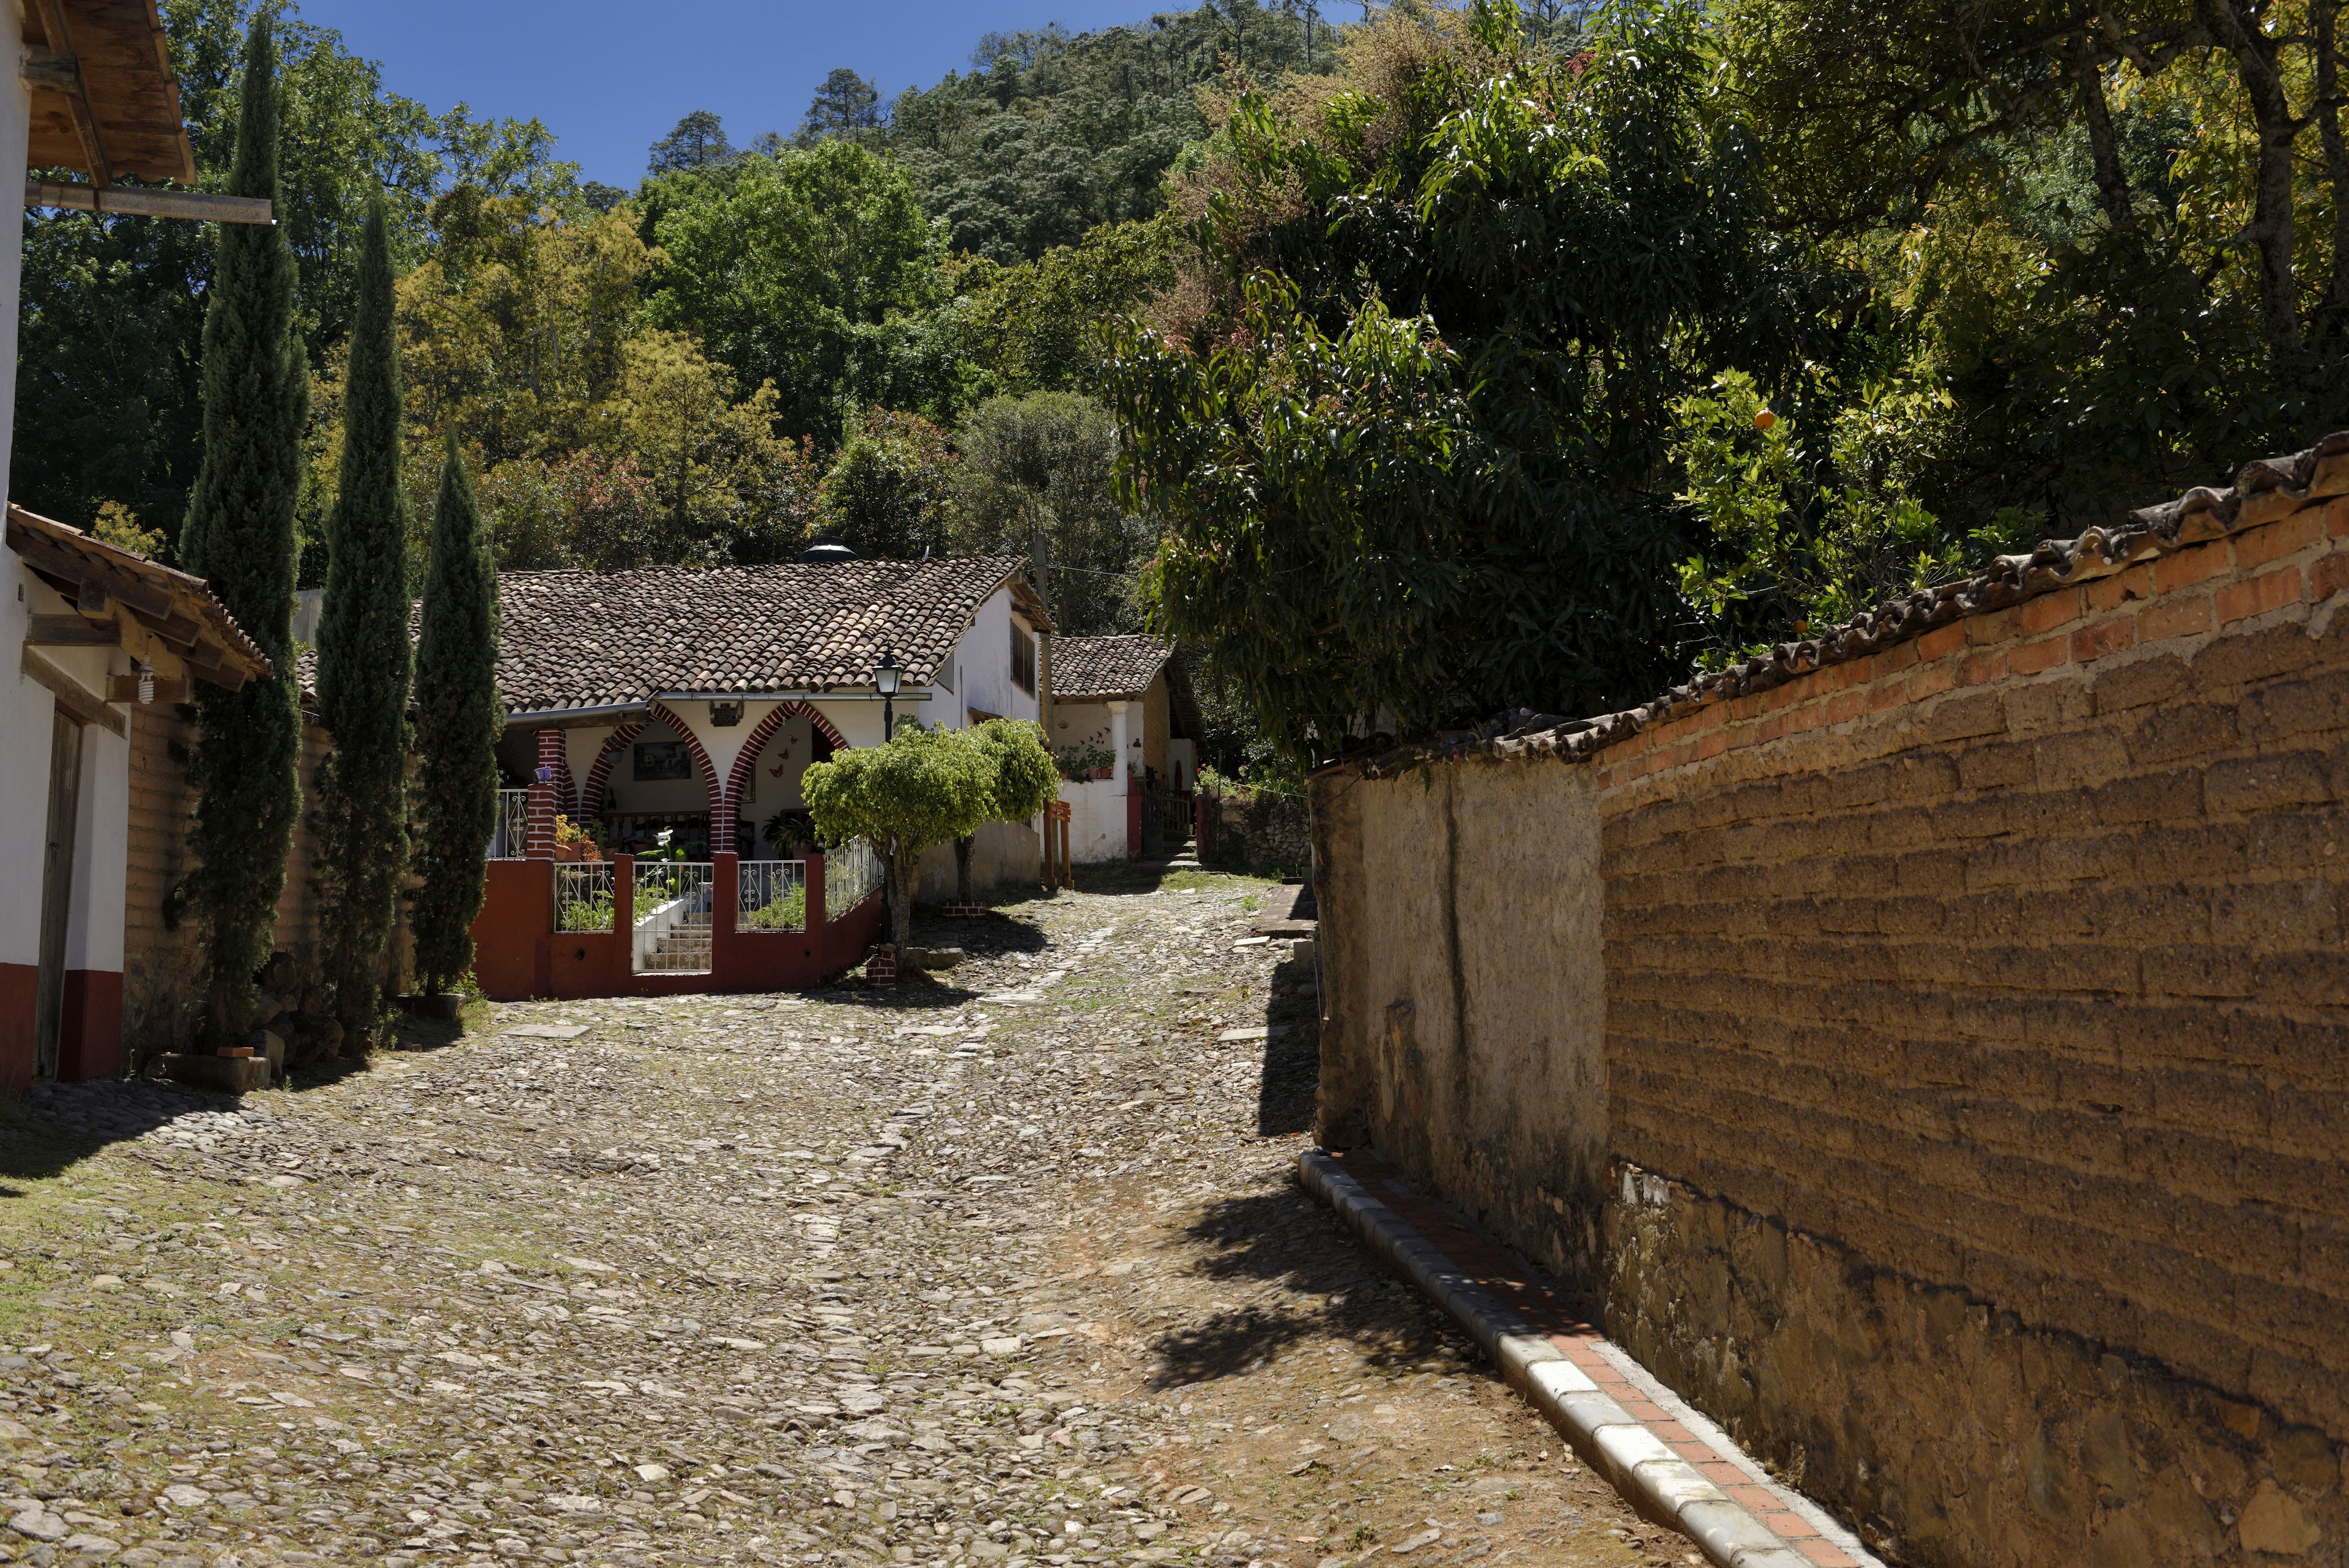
(826, 551)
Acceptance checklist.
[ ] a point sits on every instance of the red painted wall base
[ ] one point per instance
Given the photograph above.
(20, 986)
(89, 1044)
(517, 955)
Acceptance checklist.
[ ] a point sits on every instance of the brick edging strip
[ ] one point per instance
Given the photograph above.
(1647, 1466)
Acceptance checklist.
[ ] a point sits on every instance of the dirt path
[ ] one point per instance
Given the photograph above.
(1007, 1267)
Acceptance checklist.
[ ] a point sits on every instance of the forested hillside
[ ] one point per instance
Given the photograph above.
(1452, 358)
(881, 324)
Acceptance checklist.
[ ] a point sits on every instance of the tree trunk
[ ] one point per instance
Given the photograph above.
(962, 867)
(2112, 181)
(2257, 67)
(2326, 15)
(902, 873)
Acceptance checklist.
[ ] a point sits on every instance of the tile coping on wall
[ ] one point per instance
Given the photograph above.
(1674, 1464)
(2268, 491)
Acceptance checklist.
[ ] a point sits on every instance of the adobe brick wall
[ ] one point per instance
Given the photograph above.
(162, 978)
(1976, 1033)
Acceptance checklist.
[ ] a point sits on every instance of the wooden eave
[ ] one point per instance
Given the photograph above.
(103, 101)
(171, 607)
(1028, 602)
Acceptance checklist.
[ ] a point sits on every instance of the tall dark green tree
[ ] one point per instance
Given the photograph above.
(697, 141)
(238, 535)
(845, 104)
(459, 716)
(363, 664)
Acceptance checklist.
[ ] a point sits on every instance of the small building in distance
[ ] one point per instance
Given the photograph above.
(1123, 714)
(668, 716)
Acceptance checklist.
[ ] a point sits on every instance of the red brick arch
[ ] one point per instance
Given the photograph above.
(591, 799)
(599, 776)
(747, 758)
(701, 761)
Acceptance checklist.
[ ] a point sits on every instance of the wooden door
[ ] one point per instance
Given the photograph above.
(57, 891)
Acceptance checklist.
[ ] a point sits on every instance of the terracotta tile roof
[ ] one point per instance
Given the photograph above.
(1091, 668)
(2263, 492)
(595, 639)
(179, 608)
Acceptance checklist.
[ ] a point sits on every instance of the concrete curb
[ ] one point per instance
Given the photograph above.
(1641, 1465)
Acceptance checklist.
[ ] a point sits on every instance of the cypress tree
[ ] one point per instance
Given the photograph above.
(238, 535)
(459, 717)
(363, 664)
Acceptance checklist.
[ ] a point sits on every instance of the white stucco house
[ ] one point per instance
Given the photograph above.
(691, 700)
(1125, 702)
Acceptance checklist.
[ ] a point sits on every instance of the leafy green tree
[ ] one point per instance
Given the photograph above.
(1400, 439)
(459, 718)
(893, 489)
(697, 141)
(364, 658)
(1024, 779)
(813, 269)
(110, 363)
(923, 787)
(1042, 326)
(239, 538)
(845, 104)
(1045, 465)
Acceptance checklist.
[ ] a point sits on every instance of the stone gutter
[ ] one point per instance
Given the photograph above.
(1673, 1465)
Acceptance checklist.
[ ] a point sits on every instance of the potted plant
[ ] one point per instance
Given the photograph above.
(576, 841)
(791, 834)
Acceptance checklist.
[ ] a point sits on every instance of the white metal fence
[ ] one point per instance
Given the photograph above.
(582, 898)
(852, 874)
(772, 896)
(673, 900)
(510, 839)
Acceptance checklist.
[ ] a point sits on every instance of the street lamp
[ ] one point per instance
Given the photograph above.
(886, 674)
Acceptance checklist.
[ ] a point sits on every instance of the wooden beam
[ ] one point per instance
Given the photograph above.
(61, 58)
(79, 701)
(46, 70)
(227, 677)
(46, 555)
(201, 205)
(71, 631)
(125, 689)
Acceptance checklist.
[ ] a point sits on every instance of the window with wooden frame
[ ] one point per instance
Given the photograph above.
(1023, 658)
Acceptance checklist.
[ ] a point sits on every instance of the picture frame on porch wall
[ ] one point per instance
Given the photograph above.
(659, 760)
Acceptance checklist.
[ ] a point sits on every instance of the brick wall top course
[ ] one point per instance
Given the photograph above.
(2070, 601)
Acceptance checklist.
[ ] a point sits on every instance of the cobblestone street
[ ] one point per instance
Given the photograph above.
(1008, 1266)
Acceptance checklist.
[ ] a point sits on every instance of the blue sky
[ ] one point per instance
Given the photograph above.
(609, 80)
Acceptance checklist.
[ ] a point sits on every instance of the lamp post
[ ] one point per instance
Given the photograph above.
(886, 674)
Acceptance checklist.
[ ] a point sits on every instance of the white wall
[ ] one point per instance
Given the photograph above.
(25, 705)
(101, 852)
(1096, 820)
(1002, 854)
(983, 658)
(1082, 725)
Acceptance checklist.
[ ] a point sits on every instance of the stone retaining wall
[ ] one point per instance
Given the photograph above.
(1950, 1094)
(1260, 832)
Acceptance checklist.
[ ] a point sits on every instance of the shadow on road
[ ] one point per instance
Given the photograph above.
(1286, 1238)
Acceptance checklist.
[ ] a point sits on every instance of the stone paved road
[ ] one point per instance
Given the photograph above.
(1007, 1268)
